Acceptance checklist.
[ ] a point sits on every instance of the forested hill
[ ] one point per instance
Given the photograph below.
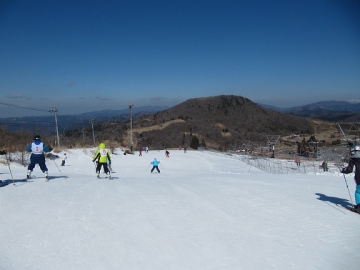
(219, 121)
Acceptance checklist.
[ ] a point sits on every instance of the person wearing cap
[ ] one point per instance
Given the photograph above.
(102, 156)
(37, 149)
(354, 161)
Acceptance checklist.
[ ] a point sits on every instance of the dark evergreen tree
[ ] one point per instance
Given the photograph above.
(194, 143)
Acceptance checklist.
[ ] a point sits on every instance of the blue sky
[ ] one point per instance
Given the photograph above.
(92, 55)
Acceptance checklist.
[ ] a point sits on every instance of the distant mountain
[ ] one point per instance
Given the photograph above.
(325, 110)
(327, 106)
(272, 107)
(220, 121)
(65, 122)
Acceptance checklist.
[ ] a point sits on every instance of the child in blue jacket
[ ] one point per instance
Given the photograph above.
(155, 164)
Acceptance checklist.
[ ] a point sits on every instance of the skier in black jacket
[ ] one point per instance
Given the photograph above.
(355, 161)
(3, 152)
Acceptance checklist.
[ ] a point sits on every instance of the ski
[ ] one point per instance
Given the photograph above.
(348, 208)
(108, 177)
(47, 178)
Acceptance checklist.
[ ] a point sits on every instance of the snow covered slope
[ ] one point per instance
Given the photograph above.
(203, 211)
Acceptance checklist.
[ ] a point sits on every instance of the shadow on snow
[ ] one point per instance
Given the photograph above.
(334, 200)
(23, 181)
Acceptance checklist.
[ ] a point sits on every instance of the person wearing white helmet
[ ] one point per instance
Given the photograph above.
(37, 149)
(354, 161)
(102, 156)
(63, 160)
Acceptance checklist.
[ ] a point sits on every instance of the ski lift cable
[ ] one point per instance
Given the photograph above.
(23, 107)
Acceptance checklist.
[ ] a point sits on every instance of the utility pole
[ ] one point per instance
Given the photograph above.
(55, 111)
(83, 134)
(131, 139)
(271, 141)
(92, 126)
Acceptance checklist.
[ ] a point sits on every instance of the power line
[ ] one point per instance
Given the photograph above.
(23, 107)
(26, 125)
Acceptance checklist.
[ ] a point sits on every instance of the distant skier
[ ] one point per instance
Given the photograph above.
(354, 161)
(37, 149)
(63, 160)
(155, 164)
(297, 161)
(3, 152)
(140, 151)
(167, 153)
(324, 166)
(102, 157)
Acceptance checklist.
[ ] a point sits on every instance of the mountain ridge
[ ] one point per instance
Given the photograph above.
(332, 110)
(72, 121)
(218, 122)
(323, 110)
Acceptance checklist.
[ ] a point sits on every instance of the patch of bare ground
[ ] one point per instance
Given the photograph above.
(226, 134)
(139, 130)
(157, 127)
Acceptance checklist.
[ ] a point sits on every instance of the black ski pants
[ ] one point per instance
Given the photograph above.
(155, 167)
(98, 167)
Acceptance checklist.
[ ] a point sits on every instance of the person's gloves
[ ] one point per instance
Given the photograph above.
(342, 170)
(109, 162)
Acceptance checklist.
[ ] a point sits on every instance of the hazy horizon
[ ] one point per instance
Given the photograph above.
(93, 55)
(28, 112)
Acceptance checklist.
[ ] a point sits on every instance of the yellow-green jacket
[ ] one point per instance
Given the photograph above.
(102, 156)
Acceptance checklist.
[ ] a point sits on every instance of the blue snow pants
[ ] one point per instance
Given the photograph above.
(357, 194)
(37, 159)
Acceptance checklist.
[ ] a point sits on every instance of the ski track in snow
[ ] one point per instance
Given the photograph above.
(203, 211)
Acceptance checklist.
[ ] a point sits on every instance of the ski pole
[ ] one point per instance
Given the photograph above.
(352, 204)
(162, 166)
(249, 169)
(55, 163)
(147, 167)
(8, 162)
